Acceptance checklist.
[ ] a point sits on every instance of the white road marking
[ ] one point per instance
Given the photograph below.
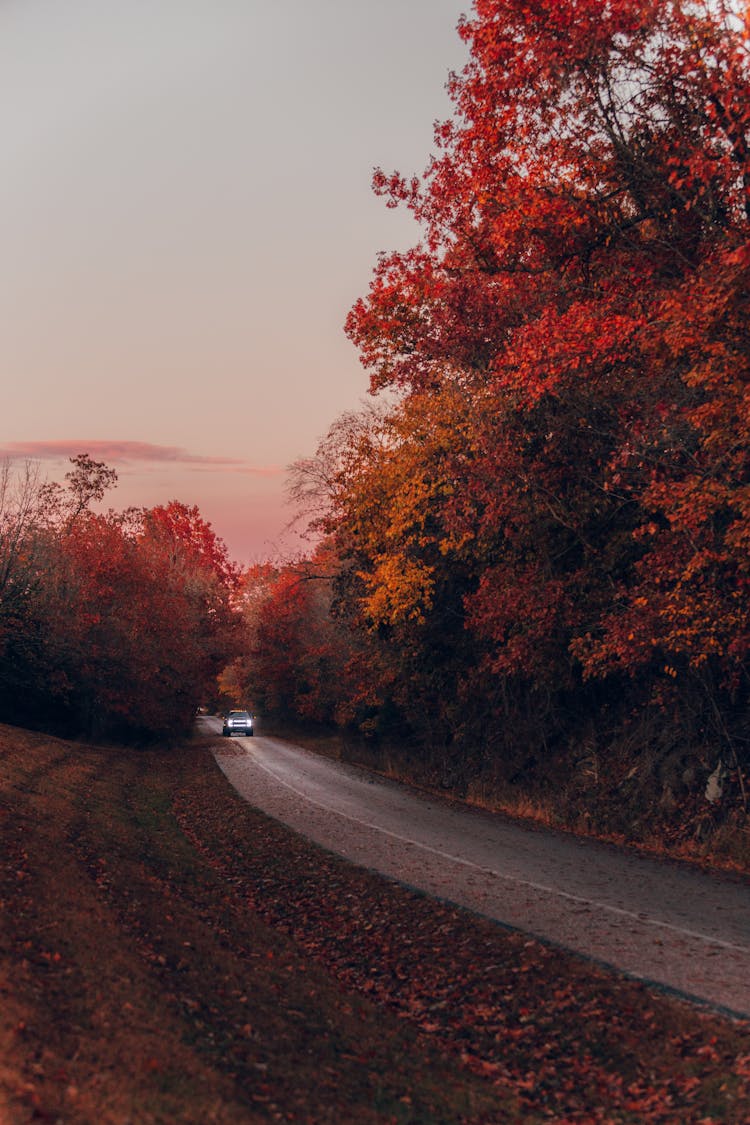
(644, 920)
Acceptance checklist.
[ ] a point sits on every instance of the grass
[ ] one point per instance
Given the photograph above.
(168, 954)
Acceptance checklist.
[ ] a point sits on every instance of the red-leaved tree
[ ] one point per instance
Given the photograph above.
(565, 470)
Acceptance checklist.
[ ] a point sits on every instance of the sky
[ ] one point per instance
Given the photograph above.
(186, 218)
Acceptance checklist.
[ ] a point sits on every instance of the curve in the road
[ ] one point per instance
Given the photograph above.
(662, 922)
(641, 918)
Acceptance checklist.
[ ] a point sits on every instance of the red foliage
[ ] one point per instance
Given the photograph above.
(125, 620)
(580, 309)
(182, 530)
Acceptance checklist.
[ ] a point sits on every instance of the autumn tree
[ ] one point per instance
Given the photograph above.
(563, 475)
(24, 521)
(301, 659)
(87, 484)
(22, 514)
(126, 618)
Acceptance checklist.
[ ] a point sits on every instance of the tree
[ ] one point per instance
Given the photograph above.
(110, 623)
(189, 538)
(565, 469)
(88, 481)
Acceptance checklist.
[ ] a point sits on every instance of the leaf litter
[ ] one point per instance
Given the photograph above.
(169, 954)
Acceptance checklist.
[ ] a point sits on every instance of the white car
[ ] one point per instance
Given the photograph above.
(237, 722)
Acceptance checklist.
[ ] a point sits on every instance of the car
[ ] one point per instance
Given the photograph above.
(237, 722)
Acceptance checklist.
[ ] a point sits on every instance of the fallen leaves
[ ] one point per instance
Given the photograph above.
(225, 961)
(571, 1040)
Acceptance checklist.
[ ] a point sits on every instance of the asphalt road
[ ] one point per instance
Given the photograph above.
(659, 921)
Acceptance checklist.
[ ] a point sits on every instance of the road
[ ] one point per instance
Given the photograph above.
(663, 922)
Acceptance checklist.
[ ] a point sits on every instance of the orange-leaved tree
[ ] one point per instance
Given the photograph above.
(569, 447)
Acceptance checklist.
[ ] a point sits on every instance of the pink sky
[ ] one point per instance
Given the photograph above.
(186, 218)
(242, 500)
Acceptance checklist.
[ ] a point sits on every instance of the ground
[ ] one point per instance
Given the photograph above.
(168, 954)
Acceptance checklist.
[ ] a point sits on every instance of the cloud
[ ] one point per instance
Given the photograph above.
(129, 452)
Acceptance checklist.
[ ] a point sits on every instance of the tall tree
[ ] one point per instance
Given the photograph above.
(569, 344)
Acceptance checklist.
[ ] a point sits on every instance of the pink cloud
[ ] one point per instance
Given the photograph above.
(127, 452)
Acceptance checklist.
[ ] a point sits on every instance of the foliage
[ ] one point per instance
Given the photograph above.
(299, 659)
(549, 515)
(110, 623)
